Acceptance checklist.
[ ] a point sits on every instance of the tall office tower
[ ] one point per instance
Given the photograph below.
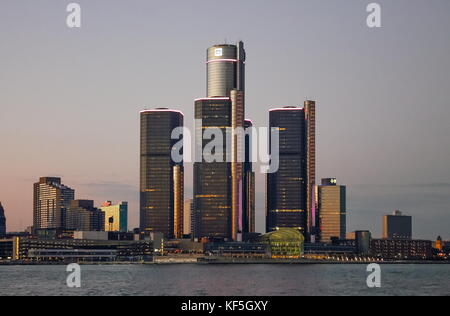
(218, 184)
(116, 216)
(2, 221)
(50, 202)
(187, 216)
(332, 210)
(212, 179)
(162, 178)
(397, 226)
(83, 216)
(248, 218)
(311, 204)
(287, 188)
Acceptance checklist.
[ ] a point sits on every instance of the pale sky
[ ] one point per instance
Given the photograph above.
(70, 98)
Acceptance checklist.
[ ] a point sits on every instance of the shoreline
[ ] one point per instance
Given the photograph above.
(232, 262)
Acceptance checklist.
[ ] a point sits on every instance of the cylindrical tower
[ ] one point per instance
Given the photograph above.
(225, 69)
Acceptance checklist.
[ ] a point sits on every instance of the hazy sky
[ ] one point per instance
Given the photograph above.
(70, 98)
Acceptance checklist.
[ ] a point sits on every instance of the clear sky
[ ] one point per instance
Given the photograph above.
(70, 98)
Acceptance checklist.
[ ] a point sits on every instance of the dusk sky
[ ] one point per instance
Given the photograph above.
(70, 98)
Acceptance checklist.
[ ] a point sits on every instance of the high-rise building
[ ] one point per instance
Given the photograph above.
(248, 218)
(311, 204)
(187, 217)
(2, 221)
(116, 216)
(397, 226)
(50, 202)
(332, 210)
(287, 188)
(219, 183)
(83, 216)
(162, 178)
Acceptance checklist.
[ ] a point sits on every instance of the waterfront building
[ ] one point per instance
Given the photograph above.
(285, 243)
(397, 226)
(332, 210)
(287, 189)
(83, 216)
(162, 178)
(75, 250)
(2, 221)
(219, 180)
(116, 216)
(402, 249)
(50, 202)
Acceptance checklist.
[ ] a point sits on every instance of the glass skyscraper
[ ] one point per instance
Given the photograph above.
(162, 178)
(50, 201)
(219, 185)
(287, 188)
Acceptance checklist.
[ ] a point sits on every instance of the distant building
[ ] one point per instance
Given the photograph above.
(2, 221)
(332, 210)
(363, 240)
(287, 188)
(397, 226)
(402, 249)
(83, 216)
(50, 202)
(75, 250)
(187, 217)
(162, 178)
(116, 216)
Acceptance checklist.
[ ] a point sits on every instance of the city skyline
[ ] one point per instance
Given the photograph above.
(401, 174)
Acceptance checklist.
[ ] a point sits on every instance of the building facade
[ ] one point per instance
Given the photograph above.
(219, 173)
(162, 178)
(50, 202)
(83, 216)
(116, 216)
(249, 203)
(287, 189)
(187, 217)
(311, 203)
(402, 249)
(2, 221)
(397, 226)
(332, 210)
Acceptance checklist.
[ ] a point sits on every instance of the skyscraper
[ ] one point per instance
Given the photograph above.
(218, 183)
(287, 189)
(83, 216)
(187, 217)
(2, 221)
(397, 226)
(162, 178)
(116, 216)
(332, 210)
(50, 202)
